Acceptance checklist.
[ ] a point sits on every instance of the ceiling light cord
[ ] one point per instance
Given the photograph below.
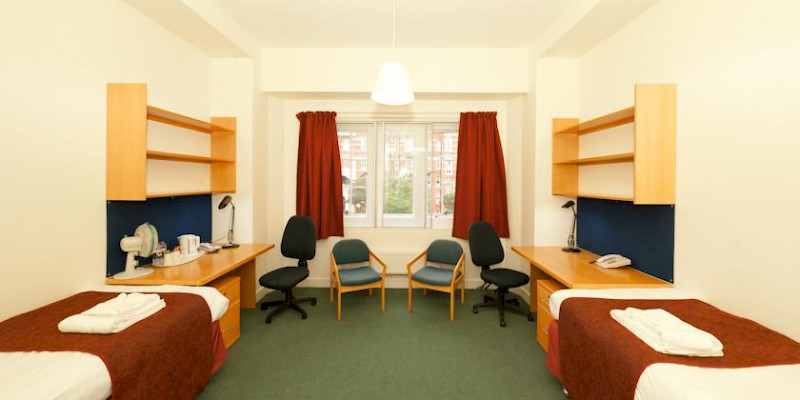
(394, 34)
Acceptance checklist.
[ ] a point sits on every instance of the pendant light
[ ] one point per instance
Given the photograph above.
(393, 87)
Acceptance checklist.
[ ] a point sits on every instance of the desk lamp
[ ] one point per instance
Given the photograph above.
(222, 204)
(572, 246)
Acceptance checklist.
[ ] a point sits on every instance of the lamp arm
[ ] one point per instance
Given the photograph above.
(230, 230)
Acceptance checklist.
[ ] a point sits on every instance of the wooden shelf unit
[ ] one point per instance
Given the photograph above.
(653, 116)
(126, 145)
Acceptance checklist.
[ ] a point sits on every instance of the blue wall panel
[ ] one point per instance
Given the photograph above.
(172, 217)
(645, 234)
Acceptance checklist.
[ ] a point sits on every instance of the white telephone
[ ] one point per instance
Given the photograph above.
(210, 247)
(612, 261)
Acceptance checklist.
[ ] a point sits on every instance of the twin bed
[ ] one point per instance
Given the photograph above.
(596, 358)
(171, 354)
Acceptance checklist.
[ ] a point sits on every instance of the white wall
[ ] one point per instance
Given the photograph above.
(556, 97)
(232, 95)
(58, 57)
(348, 70)
(281, 154)
(736, 66)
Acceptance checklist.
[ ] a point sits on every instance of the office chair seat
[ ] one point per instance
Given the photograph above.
(434, 276)
(504, 277)
(283, 278)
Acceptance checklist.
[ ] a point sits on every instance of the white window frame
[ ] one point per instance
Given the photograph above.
(422, 218)
(417, 218)
(444, 222)
(368, 219)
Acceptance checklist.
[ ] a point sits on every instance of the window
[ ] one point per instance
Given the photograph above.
(393, 174)
(444, 170)
(449, 167)
(353, 139)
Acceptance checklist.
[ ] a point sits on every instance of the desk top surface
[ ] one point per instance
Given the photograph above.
(201, 271)
(574, 270)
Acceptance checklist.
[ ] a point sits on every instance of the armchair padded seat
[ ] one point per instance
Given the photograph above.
(505, 278)
(358, 276)
(434, 276)
(283, 278)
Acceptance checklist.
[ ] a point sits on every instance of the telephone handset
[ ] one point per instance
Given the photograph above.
(612, 261)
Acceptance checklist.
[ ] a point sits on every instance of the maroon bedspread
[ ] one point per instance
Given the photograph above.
(165, 356)
(600, 359)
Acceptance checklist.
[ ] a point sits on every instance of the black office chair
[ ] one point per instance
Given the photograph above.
(486, 250)
(300, 242)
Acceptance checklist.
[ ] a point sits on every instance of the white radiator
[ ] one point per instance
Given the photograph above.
(396, 261)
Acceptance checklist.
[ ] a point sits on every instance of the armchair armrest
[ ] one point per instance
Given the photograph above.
(334, 269)
(414, 260)
(459, 265)
(380, 261)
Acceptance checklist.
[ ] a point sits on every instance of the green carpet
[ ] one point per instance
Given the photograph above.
(391, 355)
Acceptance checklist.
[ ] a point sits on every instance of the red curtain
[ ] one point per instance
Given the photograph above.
(319, 173)
(480, 175)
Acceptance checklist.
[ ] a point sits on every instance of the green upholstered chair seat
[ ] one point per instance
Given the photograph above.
(358, 276)
(434, 276)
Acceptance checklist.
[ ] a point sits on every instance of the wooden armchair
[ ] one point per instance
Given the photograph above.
(360, 275)
(443, 271)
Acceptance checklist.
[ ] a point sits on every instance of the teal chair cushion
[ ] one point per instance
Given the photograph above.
(358, 276)
(434, 276)
(350, 251)
(444, 252)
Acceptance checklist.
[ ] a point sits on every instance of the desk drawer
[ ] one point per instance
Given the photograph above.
(229, 324)
(229, 287)
(544, 288)
(543, 320)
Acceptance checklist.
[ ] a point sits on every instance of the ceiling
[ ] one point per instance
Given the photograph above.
(420, 23)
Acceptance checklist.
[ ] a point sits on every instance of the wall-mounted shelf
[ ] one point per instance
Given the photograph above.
(653, 116)
(160, 195)
(600, 196)
(126, 145)
(163, 155)
(609, 159)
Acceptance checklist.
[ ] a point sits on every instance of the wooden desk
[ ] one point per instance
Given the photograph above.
(574, 271)
(553, 269)
(208, 268)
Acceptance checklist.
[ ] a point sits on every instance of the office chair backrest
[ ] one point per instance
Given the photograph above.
(444, 252)
(350, 251)
(484, 245)
(299, 239)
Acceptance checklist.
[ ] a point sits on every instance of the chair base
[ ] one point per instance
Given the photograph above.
(502, 305)
(289, 301)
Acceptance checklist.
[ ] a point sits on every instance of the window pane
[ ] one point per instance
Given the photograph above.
(403, 179)
(353, 149)
(443, 152)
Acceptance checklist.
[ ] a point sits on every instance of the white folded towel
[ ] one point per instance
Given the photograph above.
(114, 315)
(667, 333)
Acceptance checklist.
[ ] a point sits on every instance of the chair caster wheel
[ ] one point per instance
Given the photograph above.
(530, 317)
(268, 320)
(503, 323)
(314, 302)
(304, 316)
(264, 306)
(474, 310)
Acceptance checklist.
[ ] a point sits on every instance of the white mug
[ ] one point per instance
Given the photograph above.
(189, 244)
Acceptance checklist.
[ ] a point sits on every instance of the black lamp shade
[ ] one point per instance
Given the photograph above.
(225, 201)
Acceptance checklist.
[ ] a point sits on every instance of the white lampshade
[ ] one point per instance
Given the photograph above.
(393, 87)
